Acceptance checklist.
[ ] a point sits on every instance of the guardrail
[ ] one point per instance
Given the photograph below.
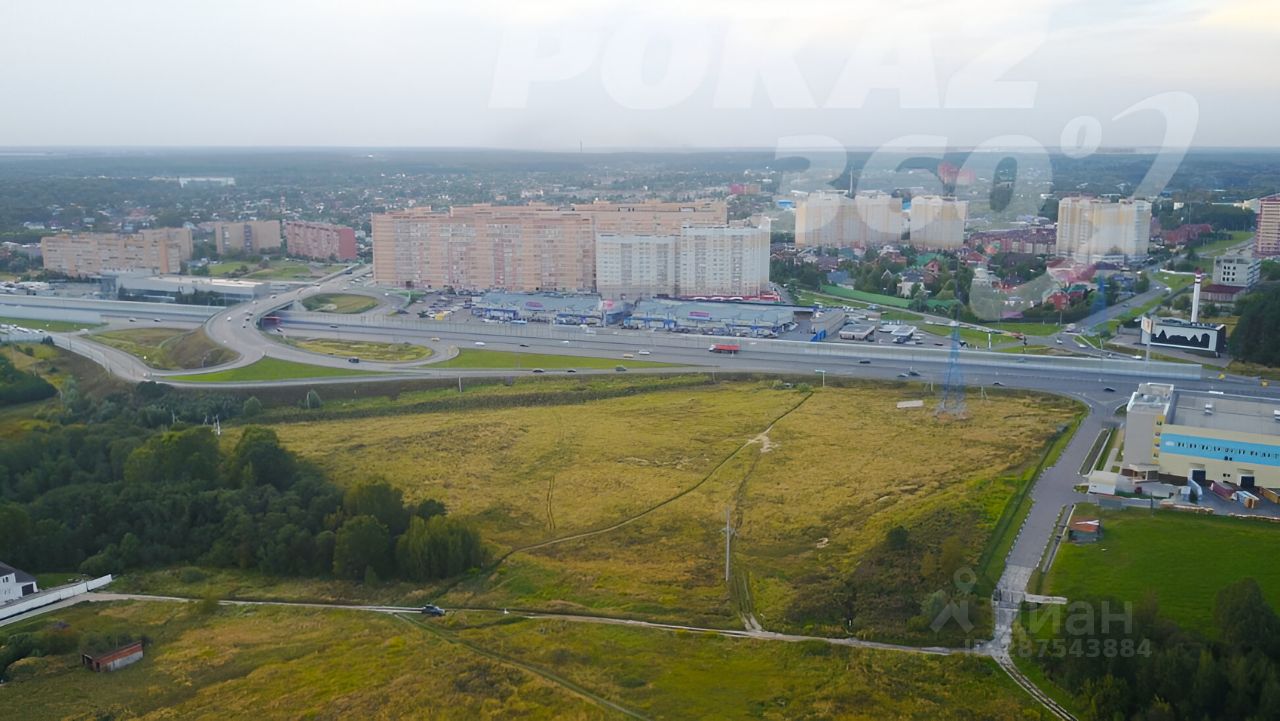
(761, 346)
(66, 306)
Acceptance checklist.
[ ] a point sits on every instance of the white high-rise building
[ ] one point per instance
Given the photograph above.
(725, 261)
(1093, 230)
(938, 223)
(833, 220)
(634, 266)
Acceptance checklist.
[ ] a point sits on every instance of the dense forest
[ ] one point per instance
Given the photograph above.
(19, 386)
(1141, 666)
(105, 497)
(1256, 338)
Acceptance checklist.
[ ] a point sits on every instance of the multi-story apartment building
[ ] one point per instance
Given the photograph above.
(247, 236)
(90, 254)
(320, 241)
(937, 223)
(1093, 230)
(1267, 241)
(479, 247)
(181, 236)
(636, 266)
(833, 220)
(727, 260)
(724, 261)
(653, 217)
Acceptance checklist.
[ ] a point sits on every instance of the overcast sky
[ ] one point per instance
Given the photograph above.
(551, 74)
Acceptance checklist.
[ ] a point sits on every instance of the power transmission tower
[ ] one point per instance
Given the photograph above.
(952, 403)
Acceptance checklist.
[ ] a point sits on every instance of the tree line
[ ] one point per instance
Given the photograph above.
(109, 497)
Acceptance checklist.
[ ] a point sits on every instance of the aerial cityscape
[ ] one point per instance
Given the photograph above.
(606, 360)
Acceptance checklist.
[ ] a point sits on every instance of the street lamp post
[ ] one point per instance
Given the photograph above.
(822, 373)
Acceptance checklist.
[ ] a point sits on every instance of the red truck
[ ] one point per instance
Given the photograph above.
(730, 348)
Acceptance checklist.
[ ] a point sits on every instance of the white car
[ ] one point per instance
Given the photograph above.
(479, 342)
(228, 319)
(643, 352)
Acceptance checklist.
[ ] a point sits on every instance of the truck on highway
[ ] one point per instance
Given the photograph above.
(730, 348)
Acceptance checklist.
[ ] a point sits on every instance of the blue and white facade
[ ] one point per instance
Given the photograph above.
(1204, 436)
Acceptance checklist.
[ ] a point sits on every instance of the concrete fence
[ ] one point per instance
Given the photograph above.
(759, 347)
(53, 595)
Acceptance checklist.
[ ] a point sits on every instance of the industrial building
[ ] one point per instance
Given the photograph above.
(548, 308)
(320, 241)
(1094, 230)
(249, 237)
(156, 250)
(168, 289)
(1203, 437)
(744, 319)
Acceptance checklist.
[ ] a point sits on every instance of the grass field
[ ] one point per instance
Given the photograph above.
(1218, 247)
(339, 303)
(363, 349)
(1182, 558)
(53, 326)
(167, 348)
(278, 270)
(477, 358)
(1026, 328)
(795, 468)
(289, 663)
(272, 369)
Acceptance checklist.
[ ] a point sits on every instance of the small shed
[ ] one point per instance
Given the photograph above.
(113, 660)
(1084, 530)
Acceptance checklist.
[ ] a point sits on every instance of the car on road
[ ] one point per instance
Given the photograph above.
(228, 319)
(435, 339)
(273, 295)
(865, 362)
(903, 375)
(913, 373)
(333, 326)
(353, 359)
(133, 320)
(524, 345)
(1058, 341)
(571, 370)
(643, 352)
(998, 383)
(628, 355)
(537, 370)
(479, 342)
(620, 369)
(432, 610)
(155, 320)
(565, 342)
(1109, 389)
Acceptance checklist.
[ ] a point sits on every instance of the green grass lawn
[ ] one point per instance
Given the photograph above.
(849, 294)
(277, 270)
(1026, 328)
(1175, 281)
(272, 369)
(339, 303)
(167, 348)
(1218, 247)
(1183, 558)
(469, 358)
(363, 349)
(807, 297)
(53, 326)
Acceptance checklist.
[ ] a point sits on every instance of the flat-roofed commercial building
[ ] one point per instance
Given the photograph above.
(1094, 230)
(92, 254)
(937, 223)
(483, 247)
(320, 241)
(833, 220)
(653, 217)
(1204, 437)
(247, 236)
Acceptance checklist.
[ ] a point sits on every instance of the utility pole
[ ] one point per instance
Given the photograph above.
(728, 535)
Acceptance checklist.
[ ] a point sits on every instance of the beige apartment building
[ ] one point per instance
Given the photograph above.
(937, 223)
(248, 236)
(1267, 241)
(480, 247)
(833, 220)
(320, 241)
(90, 254)
(653, 217)
(635, 266)
(1093, 230)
